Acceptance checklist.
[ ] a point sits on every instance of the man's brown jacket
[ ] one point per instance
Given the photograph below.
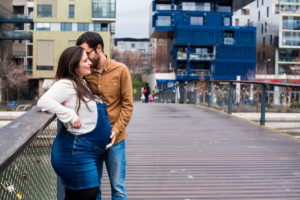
(115, 88)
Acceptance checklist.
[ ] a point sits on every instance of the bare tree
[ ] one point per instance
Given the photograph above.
(6, 66)
(18, 79)
(116, 55)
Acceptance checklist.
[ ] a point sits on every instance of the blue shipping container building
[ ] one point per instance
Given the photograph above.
(202, 40)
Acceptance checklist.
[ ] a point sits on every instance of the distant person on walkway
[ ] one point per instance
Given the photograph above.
(146, 92)
(86, 130)
(112, 81)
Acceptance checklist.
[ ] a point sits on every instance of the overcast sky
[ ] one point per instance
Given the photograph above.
(132, 18)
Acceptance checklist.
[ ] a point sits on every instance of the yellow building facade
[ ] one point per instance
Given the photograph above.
(58, 24)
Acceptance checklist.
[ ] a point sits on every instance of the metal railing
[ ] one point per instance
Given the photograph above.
(276, 105)
(19, 53)
(165, 7)
(15, 16)
(193, 72)
(16, 35)
(202, 56)
(25, 160)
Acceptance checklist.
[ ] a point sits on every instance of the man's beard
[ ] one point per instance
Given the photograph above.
(96, 61)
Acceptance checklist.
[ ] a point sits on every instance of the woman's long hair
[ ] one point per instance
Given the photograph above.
(68, 62)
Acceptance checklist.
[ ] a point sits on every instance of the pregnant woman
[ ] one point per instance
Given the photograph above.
(86, 129)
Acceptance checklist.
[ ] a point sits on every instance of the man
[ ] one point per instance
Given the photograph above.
(112, 81)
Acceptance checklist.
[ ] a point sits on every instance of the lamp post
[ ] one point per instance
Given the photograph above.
(266, 61)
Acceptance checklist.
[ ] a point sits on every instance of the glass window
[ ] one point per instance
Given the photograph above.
(262, 28)
(83, 27)
(262, 2)
(227, 21)
(18, 10)
(104, 9)
(196, 20)
(163, 21)
(194, 6)
(224, 7)
(66, 26)
(43, 26)
(48, 68)
(258, 57)
(266, 27)
(29, 50)
(264, 56)
(44, 10)
(267, 11)
(289, 55)
(141, 45)
(245, 11)
(132, 45)
(71, 11)
(104, 27)
(97, 27)
(264, 42)
(291, 23)
(271, 40)
(258, 15)
(257, 3)
(18, 26)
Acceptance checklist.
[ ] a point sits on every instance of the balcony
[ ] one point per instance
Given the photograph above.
(163, 23)
(193, 72)
(224, 9)
(291, 24)
(16, 18)
(291, 39)
(11, 35)
(103, 10)
(19, 53)
(165, 7)
(202, 56)
(193, 6)
(181, 56)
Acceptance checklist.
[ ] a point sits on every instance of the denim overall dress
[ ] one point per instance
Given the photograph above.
(75, 158)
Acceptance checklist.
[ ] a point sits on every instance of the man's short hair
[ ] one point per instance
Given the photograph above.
(92, 39)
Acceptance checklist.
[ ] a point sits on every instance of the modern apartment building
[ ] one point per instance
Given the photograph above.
(58, 24)
(241, 17)
(278, 39)
(203, 40)
(16, 30)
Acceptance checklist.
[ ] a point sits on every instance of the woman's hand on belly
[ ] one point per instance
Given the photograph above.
(77, 124)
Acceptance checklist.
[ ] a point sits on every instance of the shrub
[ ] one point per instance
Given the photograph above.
(279, 110)
(138, 84)
(295, 105)
(268, 105)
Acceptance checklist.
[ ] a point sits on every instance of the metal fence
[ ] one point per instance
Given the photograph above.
(275, 105)
(25, 163)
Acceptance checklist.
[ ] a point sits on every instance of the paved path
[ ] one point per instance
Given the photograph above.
(189, 152)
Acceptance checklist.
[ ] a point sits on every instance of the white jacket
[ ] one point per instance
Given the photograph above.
(64, 91)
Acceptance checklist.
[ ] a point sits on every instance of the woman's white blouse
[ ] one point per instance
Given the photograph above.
(64, 91)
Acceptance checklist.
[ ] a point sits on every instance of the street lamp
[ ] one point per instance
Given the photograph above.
(266, 61)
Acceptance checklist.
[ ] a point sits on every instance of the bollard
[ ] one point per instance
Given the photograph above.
(209, 95)
(230, 98)
(185, 94)
(195, 93)
(263, 106)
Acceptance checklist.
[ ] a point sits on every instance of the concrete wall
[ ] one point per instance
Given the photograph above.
(61, 42)
(83, 11)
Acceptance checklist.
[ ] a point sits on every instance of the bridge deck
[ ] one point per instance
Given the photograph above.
(189, 152)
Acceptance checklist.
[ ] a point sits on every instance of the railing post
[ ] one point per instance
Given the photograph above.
(171, 96)
(185, 94)
(165, 98)
(195, 93)
(176, 95)
(160, 97)
(209, 95)
(263, 106)
(230, 98)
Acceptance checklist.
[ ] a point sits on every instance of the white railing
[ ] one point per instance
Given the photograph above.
(193, 72)
(202, 56)
(181, 56)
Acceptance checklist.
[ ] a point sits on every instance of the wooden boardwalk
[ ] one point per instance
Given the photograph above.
(189, 152)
